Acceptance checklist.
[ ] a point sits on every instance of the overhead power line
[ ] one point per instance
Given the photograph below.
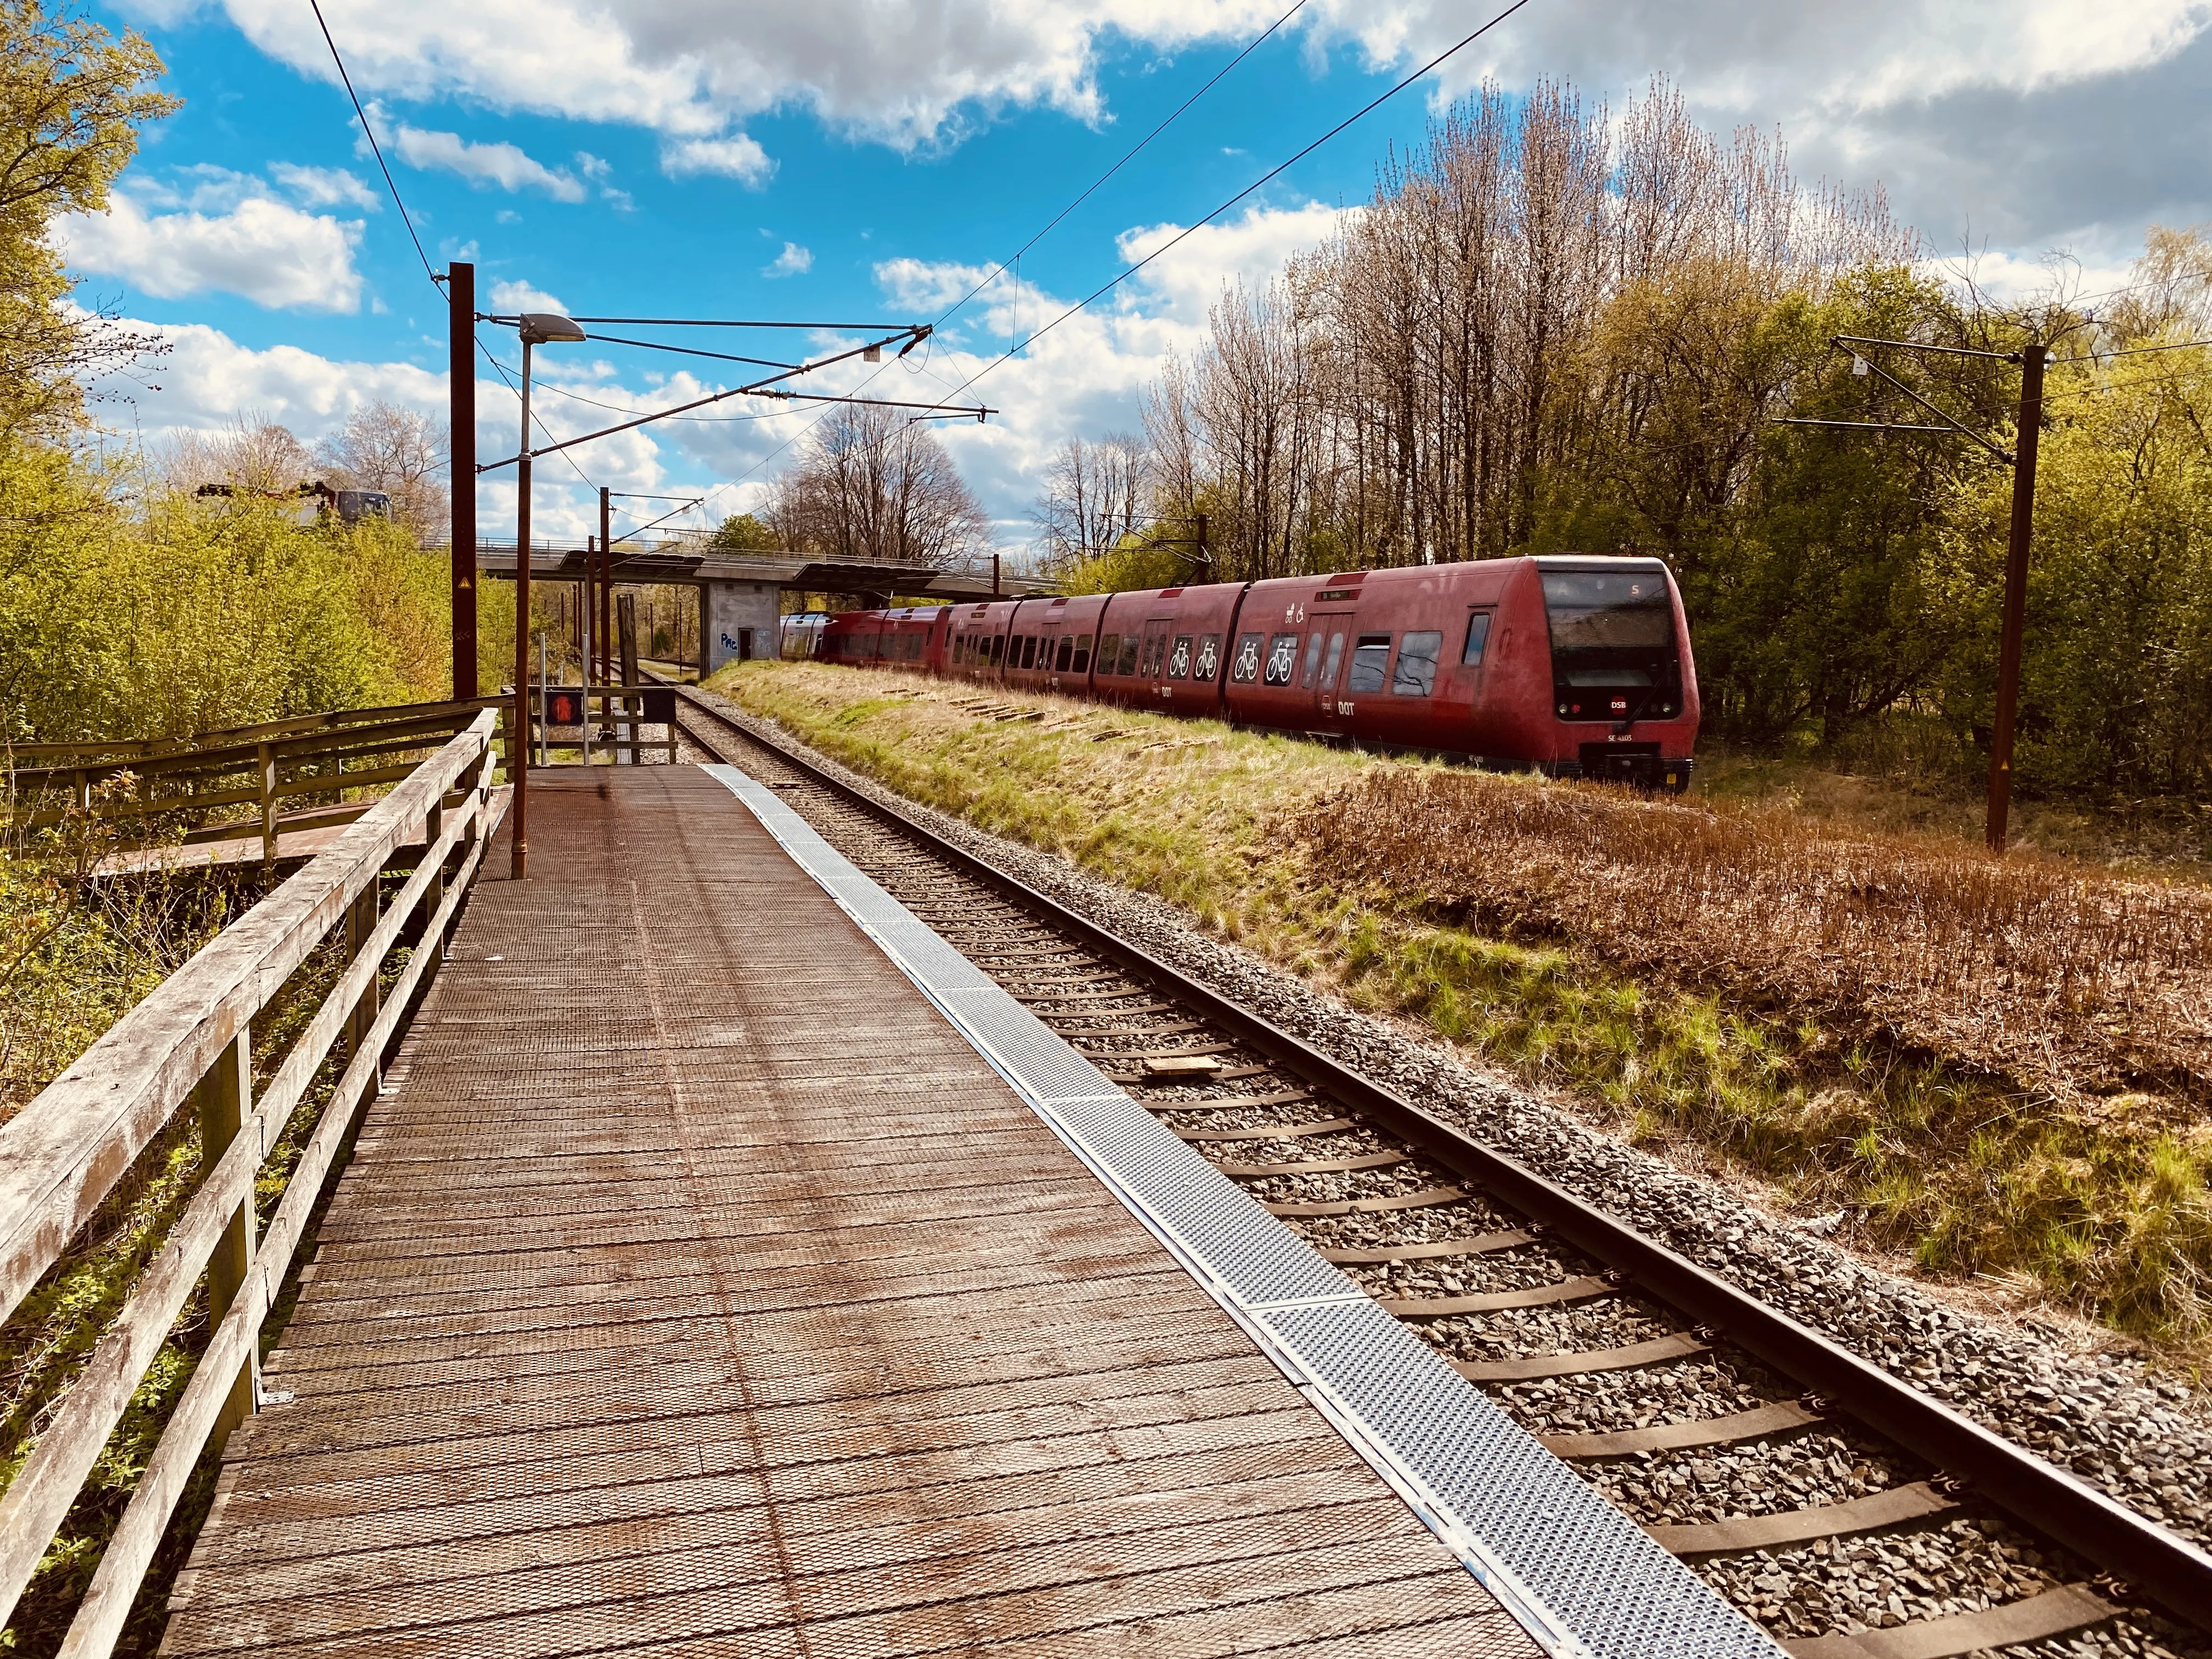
(2130, 351)
(375, 148)
(711, 322)
(1273, 172)
(1128, 156)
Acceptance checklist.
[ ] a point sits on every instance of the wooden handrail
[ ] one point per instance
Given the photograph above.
(190, 1042)
(146, 748)
(408, 729)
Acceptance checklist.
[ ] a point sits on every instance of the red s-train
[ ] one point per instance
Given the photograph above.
(1580, 666)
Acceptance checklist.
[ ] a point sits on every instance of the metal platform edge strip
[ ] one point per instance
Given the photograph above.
(1581, 1578)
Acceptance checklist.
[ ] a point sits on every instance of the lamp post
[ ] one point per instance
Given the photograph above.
(536, 328)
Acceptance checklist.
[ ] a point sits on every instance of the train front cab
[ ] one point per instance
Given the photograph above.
(1622, 684)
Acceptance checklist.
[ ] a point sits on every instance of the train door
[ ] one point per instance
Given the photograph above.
(1321, 675)
(1152, 667)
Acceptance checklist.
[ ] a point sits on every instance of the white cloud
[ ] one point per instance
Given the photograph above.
(693, 68)
(793, 261)
(266, 250)
(502, 164)
(1185, 280)
(924, 285)
(208, 377)
(902, 71)
(518, 296)
(326, 186)
(739, 158)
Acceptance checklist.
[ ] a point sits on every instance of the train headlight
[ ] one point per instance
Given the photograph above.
(1563, 708)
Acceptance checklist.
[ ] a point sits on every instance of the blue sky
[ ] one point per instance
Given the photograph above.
(854, 159)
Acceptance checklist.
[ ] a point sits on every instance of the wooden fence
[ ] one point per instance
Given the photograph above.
(261, 767)
(188, 1045)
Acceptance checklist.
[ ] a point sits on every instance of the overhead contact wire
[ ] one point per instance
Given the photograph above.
(1358, 115)
(375, 148)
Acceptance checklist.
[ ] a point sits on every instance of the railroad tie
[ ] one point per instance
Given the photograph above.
(2055, 1612)
(1476, 1244)
(1116, 1031)
(1322, 1126)
(1676, 1346)
(1227, 1102)
(1427, 1198)
(1314, 1166)
(1762, 1420)
(1756, 1532)
(1536, 1296)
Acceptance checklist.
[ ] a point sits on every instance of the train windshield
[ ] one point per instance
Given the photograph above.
(1613, 653)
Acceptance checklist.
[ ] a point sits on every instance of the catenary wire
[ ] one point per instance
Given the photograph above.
(536, 419)
(375, 148)
(690, 351)
(1128, 157)
(1273, 172)
(732, 483)
(1091, 189)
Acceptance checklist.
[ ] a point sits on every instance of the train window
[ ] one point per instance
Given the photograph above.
(1110, 652)
(1246, 668)
(998, 648)
(1313, 661)
(1209, 658)
(1029, 650)
(1156, 640)
(1416, 673)
(1060, 658)
(1129, 643)
(1336, 660)
(1369, 658)
(1282, 659)
(1179, 658)
(1082, 665)
(1478, 636)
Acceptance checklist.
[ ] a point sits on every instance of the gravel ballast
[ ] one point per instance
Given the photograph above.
(2105, 1416)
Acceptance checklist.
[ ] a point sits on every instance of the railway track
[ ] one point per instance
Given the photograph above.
(1815, 1491)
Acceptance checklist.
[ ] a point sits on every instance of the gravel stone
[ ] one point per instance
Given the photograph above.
(2108, 1417)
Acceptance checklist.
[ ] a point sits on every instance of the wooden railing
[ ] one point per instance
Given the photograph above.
(183, 783)
(189, 1044)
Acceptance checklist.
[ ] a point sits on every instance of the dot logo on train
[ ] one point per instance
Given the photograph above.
(1577, 666)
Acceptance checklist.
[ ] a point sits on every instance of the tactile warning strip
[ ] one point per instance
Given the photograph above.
(1579, 1574)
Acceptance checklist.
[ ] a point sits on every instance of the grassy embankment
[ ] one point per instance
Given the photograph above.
(2005, 1070)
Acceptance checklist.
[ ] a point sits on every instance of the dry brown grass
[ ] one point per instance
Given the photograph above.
(1997, 1070)
(2059, 977)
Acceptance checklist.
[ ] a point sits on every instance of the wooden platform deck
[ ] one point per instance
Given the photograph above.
(696, 1290)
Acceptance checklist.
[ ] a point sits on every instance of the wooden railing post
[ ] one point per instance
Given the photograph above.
(225, 1095)
(361, 922)
(434, 826)
(265, 773)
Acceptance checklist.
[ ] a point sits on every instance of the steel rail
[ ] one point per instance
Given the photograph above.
(2041, 1499)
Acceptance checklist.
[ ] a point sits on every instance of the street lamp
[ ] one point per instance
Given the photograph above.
(536, 328)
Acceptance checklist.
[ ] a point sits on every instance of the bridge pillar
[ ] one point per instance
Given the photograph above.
(737, 620)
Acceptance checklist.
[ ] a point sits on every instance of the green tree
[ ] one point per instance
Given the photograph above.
(72, 99)
(741, 532)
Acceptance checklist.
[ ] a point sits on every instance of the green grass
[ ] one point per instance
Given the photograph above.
(1966, 1172)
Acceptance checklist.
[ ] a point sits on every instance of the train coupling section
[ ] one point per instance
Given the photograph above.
(1638, 763)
